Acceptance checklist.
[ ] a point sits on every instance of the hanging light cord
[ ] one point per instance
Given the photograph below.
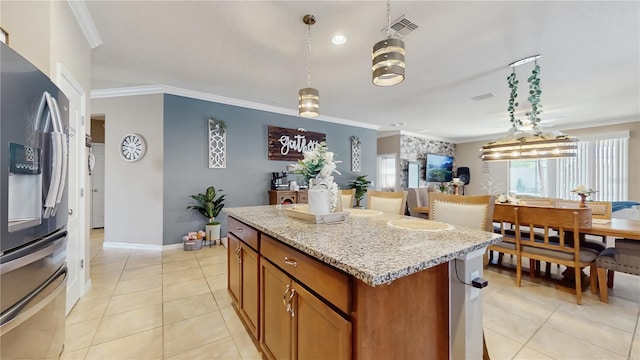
(388, 19)
(308, 55)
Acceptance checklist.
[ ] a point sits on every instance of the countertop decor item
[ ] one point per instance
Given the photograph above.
(525, 140)
(318, 164)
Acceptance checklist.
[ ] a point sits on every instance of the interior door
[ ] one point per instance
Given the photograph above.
(76, 184)
(97, 187)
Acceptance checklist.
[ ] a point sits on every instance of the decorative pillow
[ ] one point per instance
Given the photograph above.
(467, 215)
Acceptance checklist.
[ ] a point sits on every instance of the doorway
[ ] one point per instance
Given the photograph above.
(97, 187)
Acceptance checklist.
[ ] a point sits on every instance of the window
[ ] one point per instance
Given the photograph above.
(528, 177)
(386, 172)
(602, 163)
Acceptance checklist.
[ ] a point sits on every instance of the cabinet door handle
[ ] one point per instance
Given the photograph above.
(284, 299)
(239, 230)
(291, 262)
(238, 251)
(293, 312)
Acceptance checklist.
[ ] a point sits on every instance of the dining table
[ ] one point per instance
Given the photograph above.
(619, 228)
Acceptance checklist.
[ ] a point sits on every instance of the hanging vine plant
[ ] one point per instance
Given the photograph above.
(513, 85)
(534, 96)
(219, 125)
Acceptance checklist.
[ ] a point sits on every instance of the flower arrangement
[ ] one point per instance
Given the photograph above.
(456, 182)
(507, 199)
(583, 190)
(318, 163)
(194, 235)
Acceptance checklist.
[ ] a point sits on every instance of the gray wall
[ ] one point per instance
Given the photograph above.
(133, 190)
(245, 181)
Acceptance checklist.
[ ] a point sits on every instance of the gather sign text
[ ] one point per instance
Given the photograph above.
(289, 144)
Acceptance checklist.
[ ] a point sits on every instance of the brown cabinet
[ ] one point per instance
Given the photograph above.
(284, 197)
(297, 324)
(243, 284)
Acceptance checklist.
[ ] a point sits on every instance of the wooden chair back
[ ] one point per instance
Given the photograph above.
(471, 211)
(600, 209)
(346, 197)
(387, 202)
(537, 201)
(548, 246)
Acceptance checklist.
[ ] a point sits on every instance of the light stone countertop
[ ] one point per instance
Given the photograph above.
(366, 247)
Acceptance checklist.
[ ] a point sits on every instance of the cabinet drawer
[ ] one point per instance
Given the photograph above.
(302, 197)
(244, 232)
(324, 280)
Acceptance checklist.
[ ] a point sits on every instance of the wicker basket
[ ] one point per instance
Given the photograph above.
(191, 245)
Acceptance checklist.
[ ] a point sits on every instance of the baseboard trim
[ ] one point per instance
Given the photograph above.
(119, 245)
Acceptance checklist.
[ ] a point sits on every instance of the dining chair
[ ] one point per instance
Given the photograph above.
(537, 201)
(417, 197)
(624, 257)
(347, 195)
(470, 211)
(563, 248)
(387, 201)
(504, 220)
(600, 209)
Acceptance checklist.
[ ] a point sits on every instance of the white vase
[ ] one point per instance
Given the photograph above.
(323, 196)
(213, 232)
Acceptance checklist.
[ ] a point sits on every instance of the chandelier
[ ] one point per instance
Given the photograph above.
(309, 98)
(388, 58)
(525, 140)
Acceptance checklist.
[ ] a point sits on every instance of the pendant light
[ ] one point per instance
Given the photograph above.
(388, 58)
(525, 140)
(309, 98)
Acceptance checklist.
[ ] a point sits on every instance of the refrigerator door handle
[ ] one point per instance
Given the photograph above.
(17, 314)
(65, 152)
(56, 167)
(33, 256)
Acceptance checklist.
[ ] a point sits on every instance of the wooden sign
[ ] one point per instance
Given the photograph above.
(289, 144)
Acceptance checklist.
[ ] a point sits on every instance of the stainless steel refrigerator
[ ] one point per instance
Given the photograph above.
(33, 210)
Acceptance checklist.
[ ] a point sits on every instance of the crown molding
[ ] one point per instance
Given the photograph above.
(80, 11)
(561, 128)
(172, 90)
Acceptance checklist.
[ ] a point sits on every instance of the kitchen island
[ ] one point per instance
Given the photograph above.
(375, 286)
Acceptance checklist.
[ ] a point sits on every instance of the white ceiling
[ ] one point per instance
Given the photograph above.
(256, 51)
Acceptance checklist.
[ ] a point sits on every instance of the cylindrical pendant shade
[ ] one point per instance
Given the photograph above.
(388, 62)
(309, 102)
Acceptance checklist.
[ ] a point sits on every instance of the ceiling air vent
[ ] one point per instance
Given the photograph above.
(400, 27)
(483, 96)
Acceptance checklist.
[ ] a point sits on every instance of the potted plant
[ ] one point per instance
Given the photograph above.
(209, 205)
(360, 184)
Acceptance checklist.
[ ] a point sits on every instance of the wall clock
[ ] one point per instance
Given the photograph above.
(132, 147)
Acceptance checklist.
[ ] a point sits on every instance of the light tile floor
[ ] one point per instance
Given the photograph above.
(174, 305)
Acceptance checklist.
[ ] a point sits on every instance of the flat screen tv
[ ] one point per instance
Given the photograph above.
(439, 168)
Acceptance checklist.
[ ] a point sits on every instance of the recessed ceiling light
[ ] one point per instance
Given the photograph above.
(339, 39)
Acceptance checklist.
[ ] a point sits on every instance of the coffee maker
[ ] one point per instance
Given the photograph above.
(279, 181)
